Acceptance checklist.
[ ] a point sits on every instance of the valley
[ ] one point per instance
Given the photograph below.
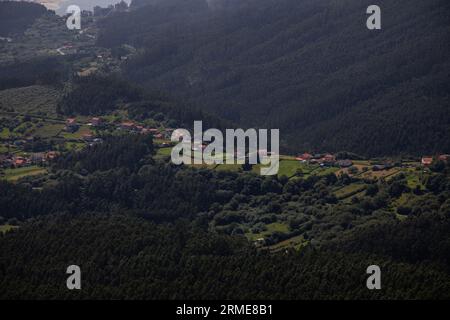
(86, 175)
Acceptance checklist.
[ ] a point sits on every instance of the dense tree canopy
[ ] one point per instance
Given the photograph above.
(310, 68)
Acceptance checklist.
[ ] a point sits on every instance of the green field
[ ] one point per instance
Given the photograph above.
(78, 134)
(4, 148)
(36, 100)
(288, 168)
(327, 170)
(271, 228)
(7, 227)
(17, 173)
(413, 179)
(349, 190)
(4, 133)
(74, 146)
(164, 151)
(48, 130)
(229, 167)
(297, 243)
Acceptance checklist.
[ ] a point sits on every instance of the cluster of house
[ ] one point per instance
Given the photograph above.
(71, 125)
(428, 160)
(324, 160)
(130, 126)
(15, 161)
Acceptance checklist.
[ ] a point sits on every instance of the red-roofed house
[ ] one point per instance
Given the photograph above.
(128, 125)
(20, 162)
(426, 161)
(96, 121)
(304, 157)
(51, 155)
(71, 125)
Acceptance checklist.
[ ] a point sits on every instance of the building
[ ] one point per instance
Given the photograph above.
(96, 122)
(128, 125)
(37, 158)
(304, 157)
(345, 163)
(20, 162)
(51, 155)
(426, 161)
(327, 160)
(71, 125)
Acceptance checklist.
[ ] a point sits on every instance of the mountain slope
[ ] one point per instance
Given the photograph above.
(16, 16)
(310, 68)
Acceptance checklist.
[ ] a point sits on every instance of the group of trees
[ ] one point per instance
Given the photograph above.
(17, 16)
(42, 71)
(96, 94)
(123, 257)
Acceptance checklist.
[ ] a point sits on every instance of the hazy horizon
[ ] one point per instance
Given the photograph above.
(60, 6)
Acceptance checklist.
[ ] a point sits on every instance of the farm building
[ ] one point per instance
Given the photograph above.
(128, 125)
(96, 121)
(426, 161)
(71, 125)
(345, 163)
(305, 157)
(37, 157)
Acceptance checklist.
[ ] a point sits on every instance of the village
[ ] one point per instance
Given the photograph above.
(44, 141)
(35, 150)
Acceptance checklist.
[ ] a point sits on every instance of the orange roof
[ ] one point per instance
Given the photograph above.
(427, 160)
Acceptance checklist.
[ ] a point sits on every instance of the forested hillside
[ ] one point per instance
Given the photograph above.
(310, 68)
(142, 228)
(16, 16)
(130, 258)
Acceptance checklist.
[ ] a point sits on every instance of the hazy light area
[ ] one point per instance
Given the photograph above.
(60, 6)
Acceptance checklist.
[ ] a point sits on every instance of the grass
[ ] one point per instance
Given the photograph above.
(48, 130)
(7, 227)
(380, 174)
(74, 146)
(17, 173)
(4, 148)
(349, 190)
(30, 100)
(229, 167)
(164, 151)
(4, 133)
(77, 134)
(289, 168)
(413, 180)
(271, 228)
(297, 242)
(327, 170)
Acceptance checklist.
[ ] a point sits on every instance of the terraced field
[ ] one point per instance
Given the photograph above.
(17, 173)
(37, 100)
